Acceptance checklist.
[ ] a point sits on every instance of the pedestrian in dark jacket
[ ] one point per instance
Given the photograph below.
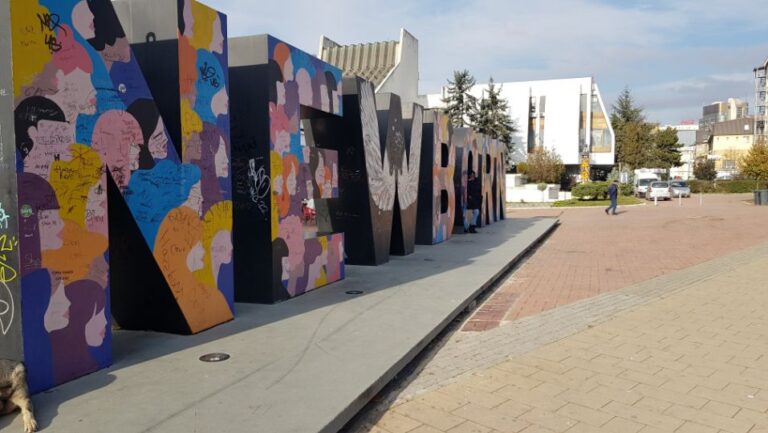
(613, 194)
(474, 201)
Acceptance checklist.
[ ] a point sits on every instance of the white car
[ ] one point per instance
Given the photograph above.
(660, 190)
(680, 188)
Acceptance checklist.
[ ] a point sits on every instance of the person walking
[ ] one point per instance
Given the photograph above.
(613, 194)
(474, 202)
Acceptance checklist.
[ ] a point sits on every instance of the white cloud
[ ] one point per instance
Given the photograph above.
(645, 45)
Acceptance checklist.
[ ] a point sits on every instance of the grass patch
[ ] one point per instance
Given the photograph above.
(623, 201)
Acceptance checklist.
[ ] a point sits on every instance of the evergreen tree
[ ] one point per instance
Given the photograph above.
(492, 117)
(634, 136)
(625, 111)
(634, 144)
(666, 149)
(461, 105)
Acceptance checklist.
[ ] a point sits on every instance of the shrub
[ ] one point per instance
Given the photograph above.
(736, 186)
(723, 186)
(522, 167)
(698, 186)
(705, 170)
(626, 189)
(593, 190)
(544, 166)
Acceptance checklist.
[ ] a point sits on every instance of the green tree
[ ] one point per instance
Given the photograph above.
(625, 110)
(754, 165)
(634, 144)
(493, 118)
(633, 134)
(544, 165)
(704, 169)
(461, 106)
(666, 149)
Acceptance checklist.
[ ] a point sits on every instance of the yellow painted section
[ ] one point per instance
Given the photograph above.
(203, 28)
(30, 42)
(73, 180)
(276, 164)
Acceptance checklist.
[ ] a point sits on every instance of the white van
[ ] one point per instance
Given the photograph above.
(642, 180)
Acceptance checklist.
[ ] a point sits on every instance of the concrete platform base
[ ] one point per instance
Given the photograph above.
(305, 365)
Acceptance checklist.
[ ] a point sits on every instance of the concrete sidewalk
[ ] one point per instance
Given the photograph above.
(305, 365)
(684, 352)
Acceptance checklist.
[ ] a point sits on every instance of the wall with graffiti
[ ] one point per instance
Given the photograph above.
(123, 179)
(184, 62)
(82, 110)
(10, 289)
(378, 173)
(493, 180)
(281, 179)
(437, 196)
(406, 202)
(484, 156)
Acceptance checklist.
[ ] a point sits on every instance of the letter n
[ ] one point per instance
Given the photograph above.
(82, 108)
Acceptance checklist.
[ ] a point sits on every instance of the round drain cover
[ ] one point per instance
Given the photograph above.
(355, 292)
(215, 357)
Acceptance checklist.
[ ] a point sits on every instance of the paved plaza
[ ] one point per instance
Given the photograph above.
(655, 320)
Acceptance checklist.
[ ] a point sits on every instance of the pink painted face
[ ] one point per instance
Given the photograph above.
(51, 140)
(119, 52)
(221, 247)
(277, 185)
(195, 258)
(221, 160)
(51, 225)
(292, 232)
(75, 94)
(320, 171)
(217, 44)
(116, 137)
(220, 103)
(158, 142)
(96, 209)
(96, 328)
(57, 314)
(189, 18)
(305, 87)
(82, 19)
(290, 182)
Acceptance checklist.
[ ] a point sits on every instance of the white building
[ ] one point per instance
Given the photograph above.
(392, 66)
(567, 116)
(686, 135)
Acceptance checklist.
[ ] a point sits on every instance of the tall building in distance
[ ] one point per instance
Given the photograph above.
(717, 112)
(761, 100)
(567, 116)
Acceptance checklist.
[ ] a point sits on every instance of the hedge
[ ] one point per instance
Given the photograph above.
(724, 186)
(597, 190)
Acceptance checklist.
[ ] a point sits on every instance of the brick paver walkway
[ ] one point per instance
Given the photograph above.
(685, 352)
(592, 253)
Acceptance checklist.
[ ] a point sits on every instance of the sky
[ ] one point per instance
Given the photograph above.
(674, 55)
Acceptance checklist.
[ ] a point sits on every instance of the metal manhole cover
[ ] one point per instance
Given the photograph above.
(215, 357)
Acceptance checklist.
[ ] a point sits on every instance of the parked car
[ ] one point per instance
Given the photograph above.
(680, 188)
(659, 190)
(641, 186)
